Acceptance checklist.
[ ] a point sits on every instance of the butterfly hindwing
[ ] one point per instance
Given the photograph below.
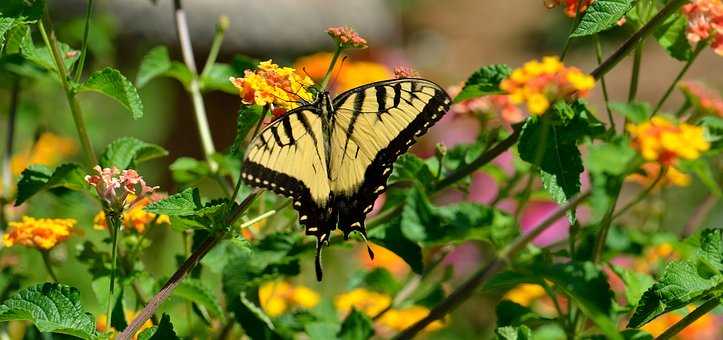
(288, 157)
(371, 127)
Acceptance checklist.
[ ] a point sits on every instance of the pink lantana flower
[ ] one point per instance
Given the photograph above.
(405, 72)
(114, 187)
(346, 37)
(705, 20)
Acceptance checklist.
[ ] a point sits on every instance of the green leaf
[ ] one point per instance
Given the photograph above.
(164, 331)
(37, 178)
(247, 118)
(483, 82)
(356, 326)
(114, 84)
(378, 279)
(158, 63)
(410, 168)
(40, 55)
(612, 157)
(699, 277)
(635, 112)
(5, 25)
(514, 333)
(217, 78)
(425, 223)
(513, 314)
(183, 203)
(635, 283)
(126, 152)
(322, 330)
(118, 318)
(671, 35)
(588, 287)
(701, 167)
(195, 291)
(390, 236)
(52, 307)
(29, 10)
(601, 15)
(187, 170)
(254, 321)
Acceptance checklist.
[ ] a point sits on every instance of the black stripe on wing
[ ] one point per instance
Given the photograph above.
(353, 209)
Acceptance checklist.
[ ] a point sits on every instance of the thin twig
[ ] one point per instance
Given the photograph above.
(466, 289)
(184, 269)
(670, 8)
(84, 48)
(194, 88)
(573, 27)
(48, 266)
(701, 45)
(690, 318)
(606, 97)
(642, 194)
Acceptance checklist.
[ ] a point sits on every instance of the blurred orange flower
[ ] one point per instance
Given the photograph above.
(135, 218)
(402, 318)
(383, 258)
(571, 6)
(652, 170)
(661, 140)
(493, 105)
(525, 293)
(49, 150)
(705, 328)
(348, 74)
(703, 98)
(41, 233)
(538, 84)
(705, 20)
(281, 87)
(278, 297)
(363, 300)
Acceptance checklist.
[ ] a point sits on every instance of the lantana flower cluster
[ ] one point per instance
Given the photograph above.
(114, 187)
(494, 105)
(39, 233)
(705, 21)
(540, 83)
(270, 84)
(278, 297)
(346, 37)
(663, 141)
(571, 6)
(703, 98)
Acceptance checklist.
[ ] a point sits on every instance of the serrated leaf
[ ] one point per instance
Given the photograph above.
(248, 117)
(127, 151)
(521, 332)
(164, 331)
(217, 78)
(635, 112)
(118, 318)
(195, 291)
(356, 326)
(612, 157)
(180, 204)
(483, 82)
(601, 15)
(52, 307)
(29, 10)
(671, 35)
(635, 283)
(5, 25)
(158, 63)
(114, 84)
(684, 282)
(37, 178)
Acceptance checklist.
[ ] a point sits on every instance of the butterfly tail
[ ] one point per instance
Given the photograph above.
(317, 260)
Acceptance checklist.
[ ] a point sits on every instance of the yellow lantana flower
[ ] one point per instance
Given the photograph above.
(661, 140)
(540, 83)
(400, 319)
(101, 324)
(278, 297)
(525, 293)
(281, 87)
(40, 233)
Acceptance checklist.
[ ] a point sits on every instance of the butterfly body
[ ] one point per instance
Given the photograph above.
(332, 157)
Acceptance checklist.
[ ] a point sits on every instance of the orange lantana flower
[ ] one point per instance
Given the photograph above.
(40, 233)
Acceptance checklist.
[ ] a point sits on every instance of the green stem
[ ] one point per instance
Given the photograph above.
(690, 318)
(48, 267)
(84, 49)
(221, 27)
(670, 8)
(194, 88)
(634, 78)
(605, 222)
(7, 175)
(114, 221)
(701, 45)
(573, 27)
(641, 195)
(51, 42)
(606, 97)
(327, 75)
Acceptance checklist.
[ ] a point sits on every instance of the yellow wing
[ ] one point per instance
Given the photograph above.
(289, 158)
(371, 127)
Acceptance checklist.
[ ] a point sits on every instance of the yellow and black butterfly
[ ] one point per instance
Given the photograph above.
(333, 157)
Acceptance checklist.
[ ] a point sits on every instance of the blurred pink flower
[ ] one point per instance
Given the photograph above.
(535, 212)
(451, 130)
(405, 72)
(505, 161)
(483, 188)
(378, 205)
(464, 259)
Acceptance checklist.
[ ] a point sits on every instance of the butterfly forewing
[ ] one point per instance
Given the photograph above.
(371, 127)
